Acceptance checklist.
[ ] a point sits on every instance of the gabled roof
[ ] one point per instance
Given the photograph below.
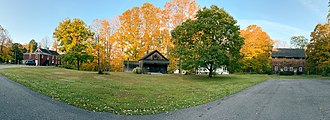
(44, 50)
(53, 52)
(288, 53)
(152, 53)
(48, 51)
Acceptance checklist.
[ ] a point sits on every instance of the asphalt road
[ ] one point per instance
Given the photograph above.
(270, 100)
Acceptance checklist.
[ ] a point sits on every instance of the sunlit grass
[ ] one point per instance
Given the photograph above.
(128, 93)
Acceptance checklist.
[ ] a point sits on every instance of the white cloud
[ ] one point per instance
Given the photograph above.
(315, 6)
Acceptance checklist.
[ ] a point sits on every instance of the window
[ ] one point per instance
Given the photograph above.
(291, 68)
(285, 68)
(42, 56)
(300, 69)
(276, 68)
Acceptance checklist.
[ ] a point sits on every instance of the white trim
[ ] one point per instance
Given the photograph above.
(285, 68)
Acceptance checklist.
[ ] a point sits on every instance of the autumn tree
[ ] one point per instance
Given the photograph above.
(72, 36)
(299, 42)
(175, 13)
(110, 47)
(318, 50)
(116, 48)
(141, 30)
(5, 45)
(209, 41)
(98, 46)
(178, 11)
(256, 50)
(33, 45)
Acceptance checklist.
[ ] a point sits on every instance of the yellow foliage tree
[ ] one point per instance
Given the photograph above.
(175, 13)
(318, 50)
(141, 30)
(256, 50)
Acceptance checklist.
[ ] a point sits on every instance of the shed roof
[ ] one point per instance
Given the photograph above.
(153, 52)
(288, 53)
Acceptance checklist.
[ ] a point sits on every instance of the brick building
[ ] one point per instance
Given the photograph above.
(43, 57)
(288, 61)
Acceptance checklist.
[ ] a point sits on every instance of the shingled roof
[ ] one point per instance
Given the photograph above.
(153, 52)
(288, 53)
(48, 51)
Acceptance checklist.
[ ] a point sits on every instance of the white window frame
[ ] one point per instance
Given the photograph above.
(291, 68)
(285, 68)
(300, 69)
(276, 68)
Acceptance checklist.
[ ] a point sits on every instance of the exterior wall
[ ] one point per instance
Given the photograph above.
(288, 64)
(54, 60)
(130, 65)
(29, 56)
(154, 66)
(42, 59)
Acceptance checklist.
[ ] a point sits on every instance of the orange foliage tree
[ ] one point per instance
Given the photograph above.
(105, 46)
(137, 32)
(141, 30)
(318, 50)
(256, 50)
(175, 13)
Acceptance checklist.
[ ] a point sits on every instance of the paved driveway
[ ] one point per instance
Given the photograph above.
(273, 99)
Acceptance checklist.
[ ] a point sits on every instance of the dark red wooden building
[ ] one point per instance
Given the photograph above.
(43, 57)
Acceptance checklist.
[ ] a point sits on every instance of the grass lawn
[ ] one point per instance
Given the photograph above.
(128, 93)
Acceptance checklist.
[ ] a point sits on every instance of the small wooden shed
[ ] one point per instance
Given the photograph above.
(153, 62)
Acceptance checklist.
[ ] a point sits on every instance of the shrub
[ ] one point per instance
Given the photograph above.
(286, 73)
(90, 66)
(137, 70)
(67, 66)
(326, 70)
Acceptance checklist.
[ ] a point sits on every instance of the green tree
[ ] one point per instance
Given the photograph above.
(299, 42)
(210, 41)
(318, 49)
(33, 45)
(17, 51)
(74, 40)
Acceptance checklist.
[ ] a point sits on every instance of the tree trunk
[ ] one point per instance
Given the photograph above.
(98, 57)
(98, 62)
(211, 70)
(1, 47)
(78, 64)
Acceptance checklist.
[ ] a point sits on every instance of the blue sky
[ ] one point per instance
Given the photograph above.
(281, 19)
